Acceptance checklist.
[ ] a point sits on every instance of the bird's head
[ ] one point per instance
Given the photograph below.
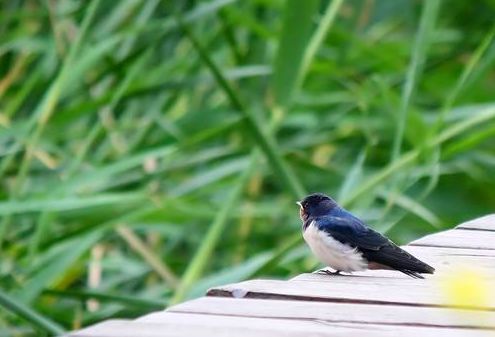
(315, 204)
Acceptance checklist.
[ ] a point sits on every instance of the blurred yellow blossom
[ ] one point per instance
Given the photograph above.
(466, 287)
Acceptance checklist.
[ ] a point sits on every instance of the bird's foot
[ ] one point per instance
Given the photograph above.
(328, 272)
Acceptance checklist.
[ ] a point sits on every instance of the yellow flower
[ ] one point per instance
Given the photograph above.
(466, 287)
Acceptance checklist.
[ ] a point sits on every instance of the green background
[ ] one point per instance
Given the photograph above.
(152, 149)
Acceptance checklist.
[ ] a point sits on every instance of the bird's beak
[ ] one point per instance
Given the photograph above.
(302, 212)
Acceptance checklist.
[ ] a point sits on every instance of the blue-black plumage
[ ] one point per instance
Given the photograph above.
(343, 242)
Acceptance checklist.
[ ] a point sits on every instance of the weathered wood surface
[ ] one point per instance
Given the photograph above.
(171, 324)
(381, 303)
(483, 223)
(344, 289)
(459, 238)
(336, 312)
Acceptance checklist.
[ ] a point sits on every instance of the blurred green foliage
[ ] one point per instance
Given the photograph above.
(152, 149)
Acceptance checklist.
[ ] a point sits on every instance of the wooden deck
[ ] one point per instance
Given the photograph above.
(375, 303)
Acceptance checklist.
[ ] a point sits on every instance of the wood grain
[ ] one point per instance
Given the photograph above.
(429, 252)
(167, 324)
(457, 238)
(249, 326)
(348, 289)
(484, 223)
(178, 325)
(337, 312)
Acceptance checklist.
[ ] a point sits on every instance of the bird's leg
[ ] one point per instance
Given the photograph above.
(328, 272)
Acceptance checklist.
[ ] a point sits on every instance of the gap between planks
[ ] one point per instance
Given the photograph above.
(475, 229)
(178, 324)
(486, 223)
(458, 238)
(338, 312)
(317, 326)
(347, 289)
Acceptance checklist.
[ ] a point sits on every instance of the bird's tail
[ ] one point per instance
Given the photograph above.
(396, 258)
(413, 274)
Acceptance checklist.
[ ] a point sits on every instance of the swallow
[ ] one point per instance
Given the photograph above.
(343, 242)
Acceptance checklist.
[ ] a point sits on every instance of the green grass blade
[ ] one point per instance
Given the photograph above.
(117, 95)
(233, 274)
(57, 267)
(318, 37)
(93, 179)
(260, 136)
(353, 177)
(468, 142)
(229, 34)
(460, 85)
(413, 207)
(144, 303)
(36, 319)
(293, 44)
(163, 270)
(69, 203)
(210, 176)
(420, 49)
(482, 115)
(381, 176)
(470, 67)
(44, 111)
(477, 117)
(41, 232)
(280, 252)
(49, 102)
(212, 237)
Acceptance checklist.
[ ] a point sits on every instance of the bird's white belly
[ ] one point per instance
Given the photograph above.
(333, 253)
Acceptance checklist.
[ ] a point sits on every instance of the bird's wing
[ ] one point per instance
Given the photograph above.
(395, 257)
(374, 246)
(350, 230)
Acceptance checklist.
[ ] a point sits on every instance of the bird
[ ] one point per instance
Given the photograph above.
(346, 244)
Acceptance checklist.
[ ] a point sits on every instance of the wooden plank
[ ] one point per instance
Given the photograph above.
(484, 223)
(444, 260)
(433, 284)
(459, 239)
(338, 312)
(351, 289)
(176, 324)
(242, 326)
(383, 275)
(426, 251)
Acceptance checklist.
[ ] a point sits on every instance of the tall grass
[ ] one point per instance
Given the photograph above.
(152, 149)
